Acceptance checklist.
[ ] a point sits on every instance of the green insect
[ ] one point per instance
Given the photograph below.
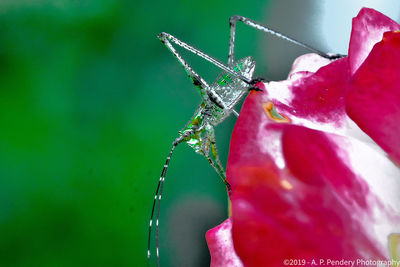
(217, 103)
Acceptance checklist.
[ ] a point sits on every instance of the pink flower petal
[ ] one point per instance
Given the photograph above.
(219, 240)
(320, 97)
(316, 100)
(314, 206)
(368, 29)
(308, 63)
(373, 100)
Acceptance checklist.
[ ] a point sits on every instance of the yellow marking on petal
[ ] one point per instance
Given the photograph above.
(394, 247)
(273, 114)
(285, 184)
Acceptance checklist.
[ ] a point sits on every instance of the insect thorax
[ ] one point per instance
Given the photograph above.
(231, 89)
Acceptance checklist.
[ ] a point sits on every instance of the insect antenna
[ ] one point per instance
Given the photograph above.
(157, 195)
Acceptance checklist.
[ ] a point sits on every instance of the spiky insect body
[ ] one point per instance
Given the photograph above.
(217, 104)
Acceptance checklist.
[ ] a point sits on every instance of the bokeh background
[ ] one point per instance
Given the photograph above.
(90, 102)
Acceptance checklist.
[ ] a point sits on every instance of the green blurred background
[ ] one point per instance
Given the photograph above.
(90, 102)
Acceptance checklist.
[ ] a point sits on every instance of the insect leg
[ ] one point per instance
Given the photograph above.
(258, 26)
(231, 54)
(197, 80)
(167, 38)
(215, 160)
(158, 196)
(220, 173)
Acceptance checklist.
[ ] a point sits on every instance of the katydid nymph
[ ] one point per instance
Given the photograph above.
(218, 101)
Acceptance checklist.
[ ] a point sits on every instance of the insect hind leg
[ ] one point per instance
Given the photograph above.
(167, 38)
(258, 26)
(196, 79)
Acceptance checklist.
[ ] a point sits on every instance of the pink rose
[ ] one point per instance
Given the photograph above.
(314, 160)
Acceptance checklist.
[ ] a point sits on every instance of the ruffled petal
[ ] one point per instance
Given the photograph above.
(316, 100)
(373, 99)
(368, 28)
(219, 240)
